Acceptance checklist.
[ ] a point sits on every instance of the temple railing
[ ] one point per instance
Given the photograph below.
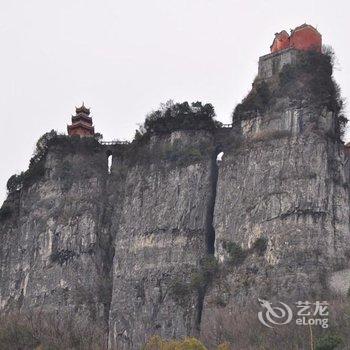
(113, 143)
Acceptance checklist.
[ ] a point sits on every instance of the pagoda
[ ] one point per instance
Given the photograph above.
(81, 123)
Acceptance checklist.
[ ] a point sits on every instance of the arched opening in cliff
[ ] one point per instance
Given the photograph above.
(109, 161)
(219, 158)
(214, 171)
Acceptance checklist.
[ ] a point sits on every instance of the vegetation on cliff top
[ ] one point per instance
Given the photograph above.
(168, 118)
(36, 167)
(306, 83)
(5, 212)
(178, 116)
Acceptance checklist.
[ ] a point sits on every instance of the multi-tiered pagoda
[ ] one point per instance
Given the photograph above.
(81, 123)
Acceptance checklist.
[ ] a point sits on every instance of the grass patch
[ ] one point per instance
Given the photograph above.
(198, 280)
(260, 245)
(235, 252)
(62, 256)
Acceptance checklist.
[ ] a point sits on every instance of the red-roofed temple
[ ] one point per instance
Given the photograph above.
(81, 123)
(304, 37)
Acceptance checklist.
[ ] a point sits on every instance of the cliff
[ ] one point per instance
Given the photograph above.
(162, 238)
(171, 238)
(53, 249)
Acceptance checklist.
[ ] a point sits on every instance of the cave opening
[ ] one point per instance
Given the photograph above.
(219, 157)
(109, 161)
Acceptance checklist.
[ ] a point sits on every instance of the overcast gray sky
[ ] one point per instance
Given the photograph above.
(123, 58)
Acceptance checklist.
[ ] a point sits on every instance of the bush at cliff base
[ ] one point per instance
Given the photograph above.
(328, 342)
(157, 343)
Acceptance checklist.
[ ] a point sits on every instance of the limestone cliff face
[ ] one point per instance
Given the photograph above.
(162, 236)
(282, 197)
(52, 251)
(134, 251)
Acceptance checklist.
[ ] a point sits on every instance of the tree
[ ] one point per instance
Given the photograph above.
(15, 183)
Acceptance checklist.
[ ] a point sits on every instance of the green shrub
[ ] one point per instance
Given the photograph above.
(182, 155)
(198, 281)
(36, 169)
(5, 212)
(180, 289)
(41, 147)
(310, 82)
(168, 118)
(236, 254)
(328, 342)
(208, 268)
(98, 136)
(260, 245)
(36, 164)
(15, 183)
(313, 73)
(209, 265)
(178, 116)
(62, 256)
(157, 343)
(191, 344)
(34, 172)
(224, 346)
(257, 100)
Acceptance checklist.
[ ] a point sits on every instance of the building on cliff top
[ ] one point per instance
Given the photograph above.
(280, 42)
(304, 37)
(81, 123)
(285, 48)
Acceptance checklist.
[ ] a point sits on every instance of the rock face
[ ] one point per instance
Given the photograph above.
(282, 197)
(162, 236)
(134, 251)
(53, 249)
